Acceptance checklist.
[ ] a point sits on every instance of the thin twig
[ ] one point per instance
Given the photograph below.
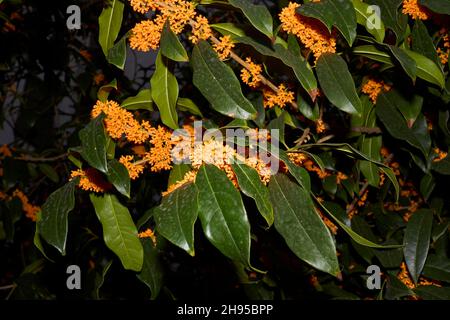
(367, 130)
(33, 159)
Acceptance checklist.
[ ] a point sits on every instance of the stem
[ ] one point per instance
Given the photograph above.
(51, 159)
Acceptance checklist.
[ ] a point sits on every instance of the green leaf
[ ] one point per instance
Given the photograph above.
(177, 173)
(119, 231)
(427, 69)
(301, 68)
(119, 177)
(110, 21)
(394, 122)
(443, 166)
(258, 15)
(337, 83)
(437, 267)
(49, 172)
(408, 64)
(38, 243)
(364, 16)
(371, 52)
(391, 17)
(422, 42)
(171, 47)
(218, 83)
(355, 236)
(104, 91)
(53, 224)
(230, 29)
(143, 100)
(93, 142)
(251, 185)
(417, 241)
(300, 225)
(165, 92)
(438, 6)
(176, 215)
(117, 55)
(152, 269)
(340, 14)
(222, 213)
(187, 105)
(433, 292)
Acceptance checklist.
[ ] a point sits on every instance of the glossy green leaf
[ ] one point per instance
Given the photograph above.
(302, 228)
(337, 83)
(437, 268)
(251, 185)
(391, 16)
(152, 269)
(443, 166)
(119, 232)
(301, 68)
(365, 17)
(143, 100)
(433, 292)
(110, 21)
(222, 214)
(417, 241)
(408, 64)
(93, 142)
(218, 83)
(176, 215)
(394, 121)
(53, 224)
(438, 6)
(171, 47)
(177, 173)
(165, 92)
(422, 42)
(258, 15)
(119, 177)
(230, 29)
(187, 105)
(338, 13)
(105, 90)
(117, 55)
(371, 52)
(427, 69)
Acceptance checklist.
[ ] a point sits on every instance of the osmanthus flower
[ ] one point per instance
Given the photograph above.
(146, 35)
(373, 88)
(321, 127)
(302, 160)
(440, 155)
(405, 277)
(414, 9)
(224, 47)
(29, 209)
(120, 122)
(189, 177)
(90, 180)
(444, 50)
(280, 98)
(311, 32)
(159, 155)
(251, 74)
(134, 170)
(148, 233)
(5, 151)
(201, 30)
(333, 228)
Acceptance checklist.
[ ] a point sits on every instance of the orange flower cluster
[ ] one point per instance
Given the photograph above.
(148, 234)
(444, 52)
(374, 88)
(146, 35)
(90, 180)
(188, 178)
(281, 98)
(321, 127)
(405, 277)
(201, 30)
(311, 32)
(159, 155)
(5, 152)
(440, 155)
(415, 10)
(134, 170)
(121, 122)
(250, 75)
(302, 160)
(333, 228)
(224, 47)
(30, 210)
